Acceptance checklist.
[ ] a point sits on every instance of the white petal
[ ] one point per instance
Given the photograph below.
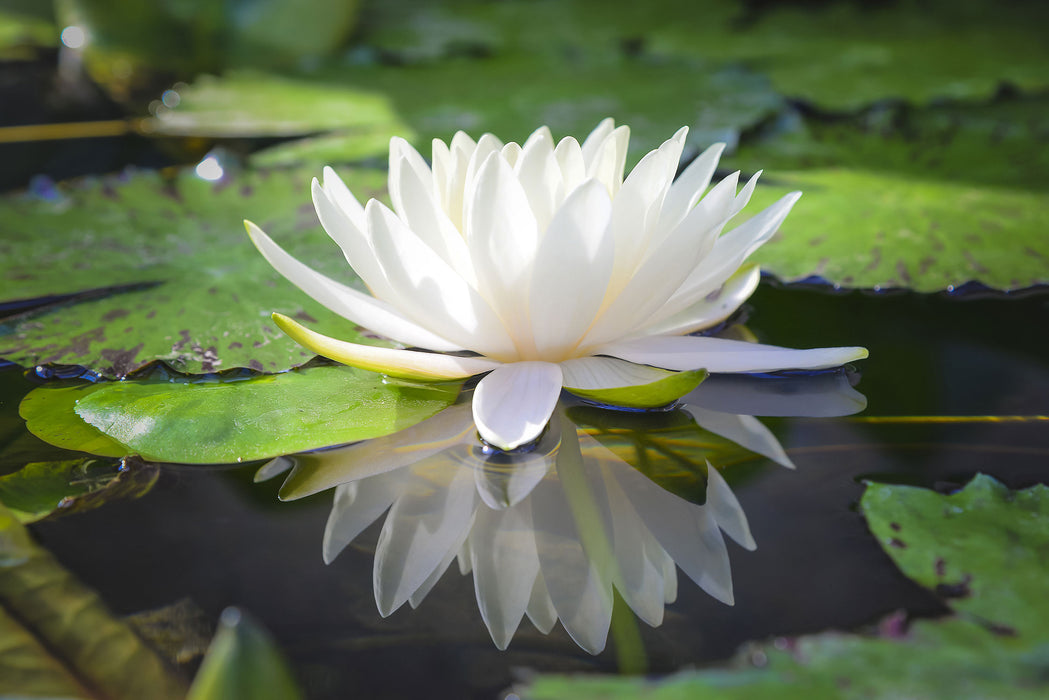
(728, 253)
(540, 608)
(354, 244)
(408, 364)
(423, 526)
(722, 355)
(505, 563)
(502, 235)
(596, 138)
(357, 505)
(321, 470)
(606, 164)
(592, 373)
(340, 194)
(727, 511)
(712, 309)
(513, 404)
(577, 241)
(417, 208)
(820, 395)
(507, 478)
(404, 157)
(570, 157)
(747, 431)
(362, 309)
(431, 290)
(540, 177)
(638, 578)
(690, 186)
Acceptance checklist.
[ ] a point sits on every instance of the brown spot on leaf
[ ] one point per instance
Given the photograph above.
(151, 314)
(1001, 630)
(898, 544)
(875, 259)
(235, 345)
(122, 361)
(940, 567)
(256, 365)
(895, 527)
(954, 590)
(901, 270)
(303, 316)
(114, 315)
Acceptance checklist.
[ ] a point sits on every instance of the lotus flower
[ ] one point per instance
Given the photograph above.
(550, 269)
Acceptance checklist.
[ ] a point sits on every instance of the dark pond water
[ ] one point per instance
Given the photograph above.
(213, 536)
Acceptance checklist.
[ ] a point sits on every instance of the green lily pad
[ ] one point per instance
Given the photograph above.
(192, 420)
(866, 229)
(243, 662)
(844, 55)
(41, 489)
(59, 641)
(961, 545)
(998, 143)
(986, 537)
(250, 104)
(839, 55)
(205, 293)
(437, 99)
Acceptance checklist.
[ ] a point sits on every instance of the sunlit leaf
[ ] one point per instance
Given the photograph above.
(250, 104)
(57, 638)
(243, 662)
(866, 229)
(206, 293)
(223, 420)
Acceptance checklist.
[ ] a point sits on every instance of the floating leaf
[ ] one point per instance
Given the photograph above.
(999, 143)
(998, 647)
(206, 293)
(249, 104)
(844, 55)
(215, 420)
(41, 489)
(243, 662)
(50, 414)
(865, 229)
(57, 637)
(438, 99)
(962, 545)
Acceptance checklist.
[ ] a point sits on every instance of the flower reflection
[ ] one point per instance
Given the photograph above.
(605, 500)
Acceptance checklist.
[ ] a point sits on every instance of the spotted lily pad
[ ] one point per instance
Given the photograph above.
(983, 550)
(192, 291)
(867, 229)
(194, 420)
(961, 545)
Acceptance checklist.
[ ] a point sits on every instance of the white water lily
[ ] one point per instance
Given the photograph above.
(549, 266)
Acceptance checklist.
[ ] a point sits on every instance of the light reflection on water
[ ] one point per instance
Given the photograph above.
(604, 500)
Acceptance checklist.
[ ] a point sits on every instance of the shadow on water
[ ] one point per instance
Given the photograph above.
(214, 536)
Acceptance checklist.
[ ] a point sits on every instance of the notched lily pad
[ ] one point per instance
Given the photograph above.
(194, 420)
(961, 545)
(210, 293)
